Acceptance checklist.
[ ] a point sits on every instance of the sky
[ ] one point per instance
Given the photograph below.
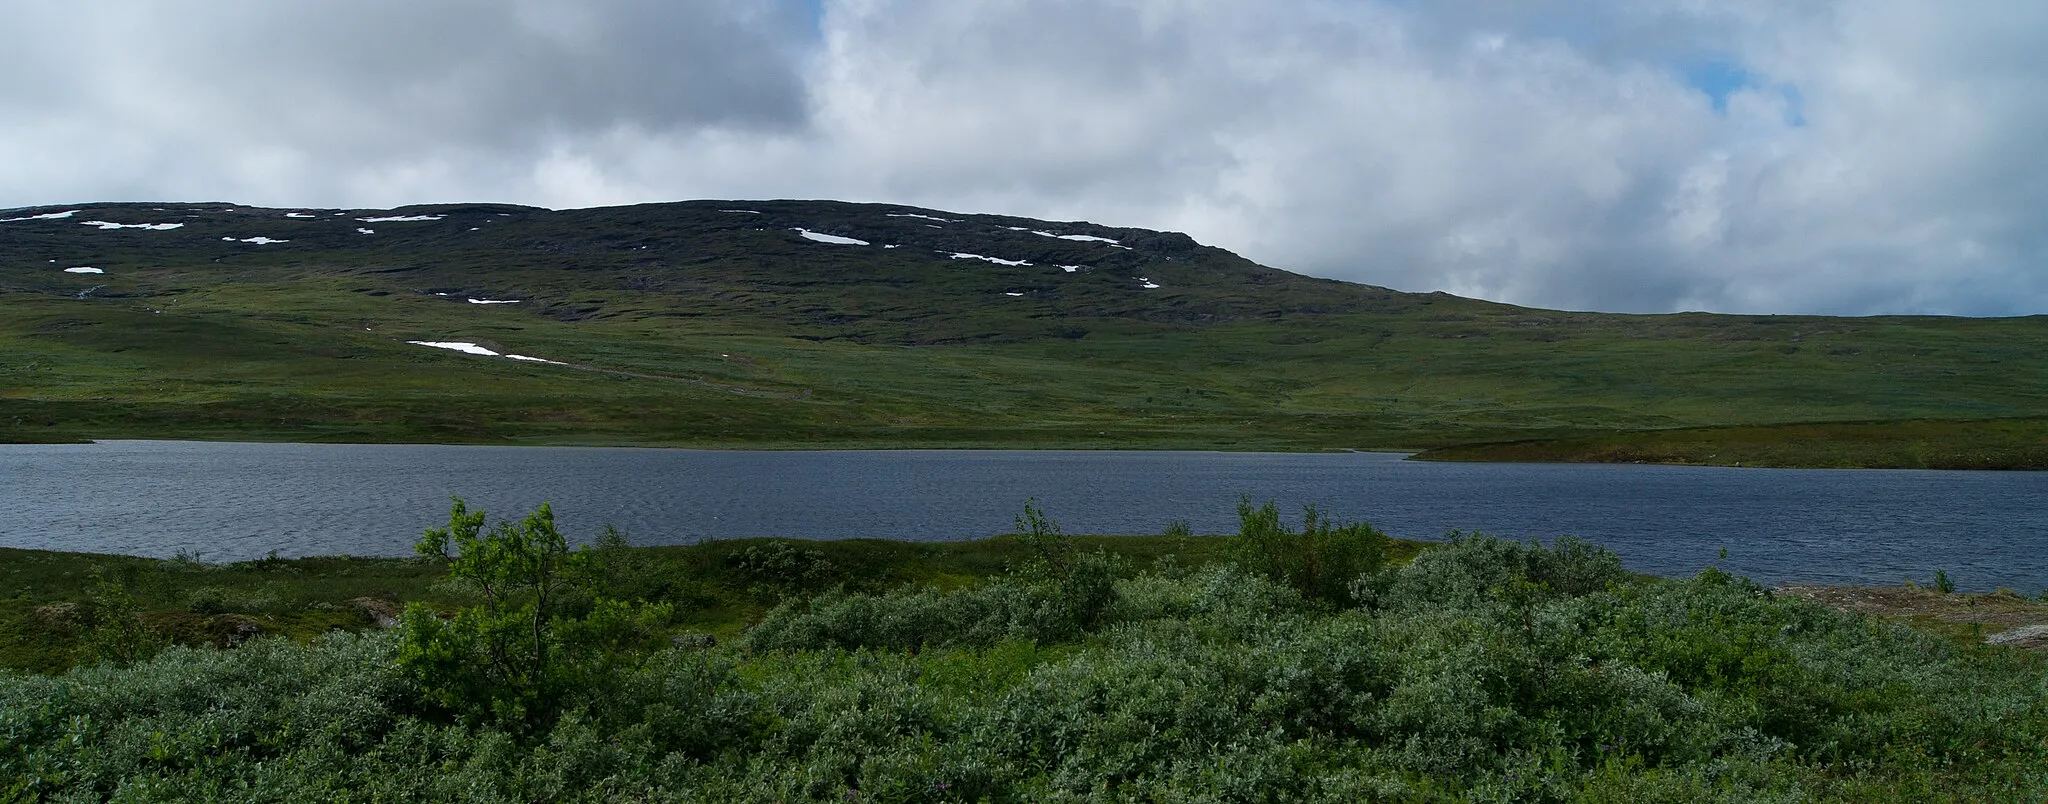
(1844, 157)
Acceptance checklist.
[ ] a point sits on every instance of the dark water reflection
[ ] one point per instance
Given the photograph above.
(238, 501)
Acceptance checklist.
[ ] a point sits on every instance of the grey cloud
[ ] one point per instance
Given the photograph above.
(277, 95)
(1884, 156)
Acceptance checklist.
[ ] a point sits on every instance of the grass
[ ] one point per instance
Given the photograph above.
(1907, 444)
(685, 326)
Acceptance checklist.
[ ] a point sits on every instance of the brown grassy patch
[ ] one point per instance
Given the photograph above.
(1965, 616)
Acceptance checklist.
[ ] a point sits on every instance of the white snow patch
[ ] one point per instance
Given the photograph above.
(1008, 293)
(466, 347)
(1018, 228)
(461, 346)
(1070, 268)
(743, 211)
(891, 246)
(258, 240)
(475, 229)
(933, 226)
(997, 260)
(834, 239)
(47, 216)
(402, 218)
(155, 227)
(1147, 283)
(494, 301)
(300, 215)
(84, 269)
(361, 230)
(1082, 238)
(926, 217)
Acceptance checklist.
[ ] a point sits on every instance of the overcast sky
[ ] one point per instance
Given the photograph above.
(1851, 157)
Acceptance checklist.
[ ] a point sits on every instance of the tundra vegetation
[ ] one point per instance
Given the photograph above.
(1315, 663)
(683, 324)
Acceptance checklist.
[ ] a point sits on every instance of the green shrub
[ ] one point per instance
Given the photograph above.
(780, 568)
(1320, 561)
(517, 655)
(115, 633)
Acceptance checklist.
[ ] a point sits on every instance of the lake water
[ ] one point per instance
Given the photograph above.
(226, 501)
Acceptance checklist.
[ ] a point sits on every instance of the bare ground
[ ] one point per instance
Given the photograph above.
(1998, 618)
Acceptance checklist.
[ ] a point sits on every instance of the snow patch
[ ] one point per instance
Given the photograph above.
(300, 215)
(892, 246)
(361, 230)
(84, 269)
(997, 260)
(926, 217)
(155, 227)
(1009, 293)
(494, 301)
(259, 240)
(1070, 268)
(47, 216)
(1083, 238)
(1018, 228)
(1147, 283)
(742, 211)
(466, 347)
(402, 218)
(833, 239)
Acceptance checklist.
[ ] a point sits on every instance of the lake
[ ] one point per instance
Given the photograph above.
(233, 501)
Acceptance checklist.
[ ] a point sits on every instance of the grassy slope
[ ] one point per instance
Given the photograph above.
(684, 325)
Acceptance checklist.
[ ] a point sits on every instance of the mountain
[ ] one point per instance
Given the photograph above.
(815, 323)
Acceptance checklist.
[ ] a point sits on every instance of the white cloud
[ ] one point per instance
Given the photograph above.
(1868, 156)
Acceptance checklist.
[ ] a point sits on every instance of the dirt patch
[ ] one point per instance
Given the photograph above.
(2002, 617)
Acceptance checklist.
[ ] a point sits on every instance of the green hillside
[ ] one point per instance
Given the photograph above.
(688, 324)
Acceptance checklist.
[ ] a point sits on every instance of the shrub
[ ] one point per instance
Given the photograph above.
(514, 657)
(780, 568)
(115, 634)
(1320, 561)
(1476, 569)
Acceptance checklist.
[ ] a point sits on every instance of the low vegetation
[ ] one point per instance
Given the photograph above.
(1036, 667)
(685, 325)
(1913, 444)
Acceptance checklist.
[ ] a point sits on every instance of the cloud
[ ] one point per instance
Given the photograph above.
(1849, 157)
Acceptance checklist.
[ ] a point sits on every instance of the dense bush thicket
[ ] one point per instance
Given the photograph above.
(1485, 670)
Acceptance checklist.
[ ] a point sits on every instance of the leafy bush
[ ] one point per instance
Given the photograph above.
(515, 656)
(780, 568)
(1321, 560)
(1486, 670)
(115, 633)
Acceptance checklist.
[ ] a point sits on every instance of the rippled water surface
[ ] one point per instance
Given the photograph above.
(239, 501)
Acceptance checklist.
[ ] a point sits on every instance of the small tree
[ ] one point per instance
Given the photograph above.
(115, 633)
(1320, 561)
(1086, 582)
(522, 648)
